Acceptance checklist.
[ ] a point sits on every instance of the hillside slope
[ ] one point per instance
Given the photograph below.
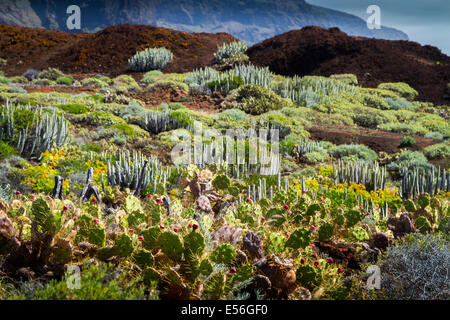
(106, 51)
(318, 51)
(249, 20)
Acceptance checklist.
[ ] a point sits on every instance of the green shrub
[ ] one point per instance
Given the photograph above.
(438, 151)
(94, 83)
(225, 84)
(150, 59)
(434, 135)
(6, 150)
(348, 78)
(125, 83)
(231, 52)
(369, 117)
(316, 157)
(255, 100)
(407, 141)
(67, 80)
(404, 128)
(51, 74)
(74, 108)
(18, 79)
(97, 282)
(353, 152)
(233, 114)
(403, 89)
(150, 77)
(411, 159)
(398, 104)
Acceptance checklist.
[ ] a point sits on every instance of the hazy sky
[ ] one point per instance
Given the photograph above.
(425, 21)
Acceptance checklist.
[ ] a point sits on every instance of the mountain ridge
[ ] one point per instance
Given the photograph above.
(249, 20)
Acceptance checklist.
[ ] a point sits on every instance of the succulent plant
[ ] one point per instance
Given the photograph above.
(42, 133)
(326, 231)
(90, 231)
(151, 236)
(227, 51)
(221, 182)
(307, 276)
(194, 244)
(360, 234)
(352, 217)
(224, 253)
(143, 258)
(150, 59)
(123, 246)
(300, 238)
(422, 224)
(171, 245)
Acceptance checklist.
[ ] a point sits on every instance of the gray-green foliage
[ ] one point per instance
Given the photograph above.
(229, 50)
(136, 172)
(46, 130)
(150, 59)
(417, 268)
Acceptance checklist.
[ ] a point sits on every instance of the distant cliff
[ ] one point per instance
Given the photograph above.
(249, 20)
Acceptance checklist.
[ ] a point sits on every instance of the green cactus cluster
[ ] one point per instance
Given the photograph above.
(300, 238)
(44, 130)
(150, 59)
(416, 180)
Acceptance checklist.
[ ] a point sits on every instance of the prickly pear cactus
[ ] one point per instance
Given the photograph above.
(306, 276)
(410, 206)
(422, 224)
(360, 234)
(423, 200)
(444, 225)
(205, 268)
(151, 275)
(244, 213)
(313, 210)
(301, 238)
(136, 218)
(194, 244)
(221, 182)
(143, 258)
(339, 219)
(40, 210)
(151, 236)
(171, 245)
(90, 231)
(132, 204)
(123, 246)
(326, 231)
(225, 254)
(352, 217)
(245, 272)
(54, 222)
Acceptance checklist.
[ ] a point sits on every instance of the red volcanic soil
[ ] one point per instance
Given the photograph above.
(377, 140)
(318, 51)
(105, 52)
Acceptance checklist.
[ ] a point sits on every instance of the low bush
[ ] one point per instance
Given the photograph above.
(51, 74)
(438, 151)
(416, 268)
(150, 59)
(255, 100)
(231, 52)
(67, 80)
(353, 152)
(403, 89)
(150, 77)
(348, 78)
(407, 141)
(404, 128)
